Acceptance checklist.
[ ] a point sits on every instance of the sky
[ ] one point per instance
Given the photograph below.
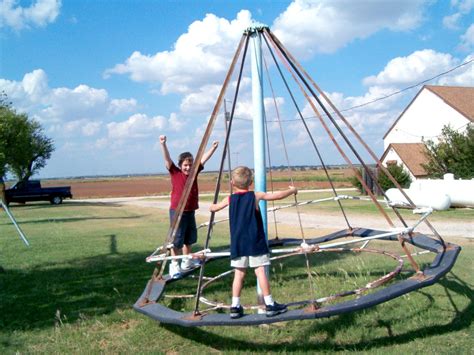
(106, 78)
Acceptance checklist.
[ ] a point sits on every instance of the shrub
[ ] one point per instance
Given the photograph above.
(398, 173)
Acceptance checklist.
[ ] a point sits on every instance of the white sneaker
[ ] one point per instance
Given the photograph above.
(188, 264)
(174, 270)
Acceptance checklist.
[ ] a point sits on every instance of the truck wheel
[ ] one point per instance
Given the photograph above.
(56, 200)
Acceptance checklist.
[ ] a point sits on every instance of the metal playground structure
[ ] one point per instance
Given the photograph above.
(352, 239)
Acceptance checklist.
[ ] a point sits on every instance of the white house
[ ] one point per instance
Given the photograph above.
(423, 119)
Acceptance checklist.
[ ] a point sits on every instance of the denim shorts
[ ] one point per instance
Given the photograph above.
(244, 262)
(187, 230)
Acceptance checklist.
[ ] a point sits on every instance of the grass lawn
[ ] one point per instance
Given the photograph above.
(73, 289)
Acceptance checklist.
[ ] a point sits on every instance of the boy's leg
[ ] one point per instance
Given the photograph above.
(174, 268)
(190, 238)
(263, 280)
(272, 308)
(238, 283)
(236, 310)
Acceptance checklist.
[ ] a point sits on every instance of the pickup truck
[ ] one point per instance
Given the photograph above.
(31, 190)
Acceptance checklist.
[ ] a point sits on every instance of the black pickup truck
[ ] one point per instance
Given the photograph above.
(31, 190)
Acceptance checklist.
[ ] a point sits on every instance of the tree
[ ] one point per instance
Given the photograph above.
(454, 153)
(24, 149)
(398, 173)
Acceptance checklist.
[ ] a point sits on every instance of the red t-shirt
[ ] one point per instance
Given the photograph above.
(178, 180)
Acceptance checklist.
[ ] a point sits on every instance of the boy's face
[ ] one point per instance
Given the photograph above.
(186, 166)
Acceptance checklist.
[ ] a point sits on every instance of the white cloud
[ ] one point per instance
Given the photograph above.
(76, 128)
(117, 106)
(200, 101)
(40, 13)
(460, 77)
(379, 108)
(467, 39)
(418, 66)
(199, 57)
(33, 95)
(452, 21)
(175, 123)
(462, 8)
(307, 27)
(136, 126)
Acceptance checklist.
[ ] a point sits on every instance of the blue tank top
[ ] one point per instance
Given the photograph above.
(247, 236)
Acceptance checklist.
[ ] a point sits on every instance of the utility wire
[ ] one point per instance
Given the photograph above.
(382, 97)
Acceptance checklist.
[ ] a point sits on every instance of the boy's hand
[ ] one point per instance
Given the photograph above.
(294, 190)
(162, 139)
(215, 144)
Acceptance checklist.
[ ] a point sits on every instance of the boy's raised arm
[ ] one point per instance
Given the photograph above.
(207, 155)
(271, 196)
(166, 153)
(219, 206)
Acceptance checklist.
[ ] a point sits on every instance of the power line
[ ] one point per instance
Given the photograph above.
(393, 93)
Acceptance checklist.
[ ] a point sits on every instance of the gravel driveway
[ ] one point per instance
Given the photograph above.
(327, 221)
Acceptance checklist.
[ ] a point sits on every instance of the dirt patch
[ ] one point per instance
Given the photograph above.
(160, 185)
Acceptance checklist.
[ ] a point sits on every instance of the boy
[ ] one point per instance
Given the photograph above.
(248, 246)
(186, 234)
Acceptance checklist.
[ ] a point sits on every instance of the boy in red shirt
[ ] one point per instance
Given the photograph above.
(186, 235)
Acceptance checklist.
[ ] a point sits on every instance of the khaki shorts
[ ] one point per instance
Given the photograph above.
(244, 262)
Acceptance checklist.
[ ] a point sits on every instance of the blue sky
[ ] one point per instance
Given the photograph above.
(106, 78)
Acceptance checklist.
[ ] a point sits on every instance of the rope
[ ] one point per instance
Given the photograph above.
(285, 60)
(309, 133)
(308, 267)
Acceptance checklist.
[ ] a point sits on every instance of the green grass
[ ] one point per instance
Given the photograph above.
(73, 289)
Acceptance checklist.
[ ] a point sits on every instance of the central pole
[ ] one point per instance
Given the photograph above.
(258, 128)
(258, 119)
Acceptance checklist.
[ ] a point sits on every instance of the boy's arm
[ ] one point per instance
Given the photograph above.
(207, 155)
(219, 206)
(271, 196)
(166, 153)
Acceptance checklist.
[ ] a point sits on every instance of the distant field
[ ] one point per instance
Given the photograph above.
(160, 184)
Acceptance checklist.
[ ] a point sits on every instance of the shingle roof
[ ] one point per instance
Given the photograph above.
(459, 98)
(412, 155)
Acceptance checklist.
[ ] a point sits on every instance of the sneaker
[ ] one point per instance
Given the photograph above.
(174, 270)
(236, 312)
(274, 309)
(188, 264)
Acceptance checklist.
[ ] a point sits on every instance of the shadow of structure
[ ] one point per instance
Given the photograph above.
(329, 329)
(87, 287)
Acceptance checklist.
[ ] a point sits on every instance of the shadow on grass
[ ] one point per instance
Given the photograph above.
(34, 298)
(330, 329)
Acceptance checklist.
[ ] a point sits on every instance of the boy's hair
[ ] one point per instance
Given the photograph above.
(184, 156)
(242, 177)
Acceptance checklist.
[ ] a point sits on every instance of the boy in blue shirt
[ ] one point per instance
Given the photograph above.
(248, 245)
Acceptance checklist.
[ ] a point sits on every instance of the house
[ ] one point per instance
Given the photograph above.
(423, 119)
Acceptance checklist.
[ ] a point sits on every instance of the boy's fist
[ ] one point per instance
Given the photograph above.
(293, 189)
(162, 139)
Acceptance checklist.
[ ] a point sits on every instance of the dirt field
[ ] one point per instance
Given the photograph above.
(160, 184)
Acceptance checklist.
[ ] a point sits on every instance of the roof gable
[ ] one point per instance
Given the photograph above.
(460, 98)
(412, 155)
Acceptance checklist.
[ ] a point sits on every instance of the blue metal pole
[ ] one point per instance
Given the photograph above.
(258, 129)
(258, 120)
